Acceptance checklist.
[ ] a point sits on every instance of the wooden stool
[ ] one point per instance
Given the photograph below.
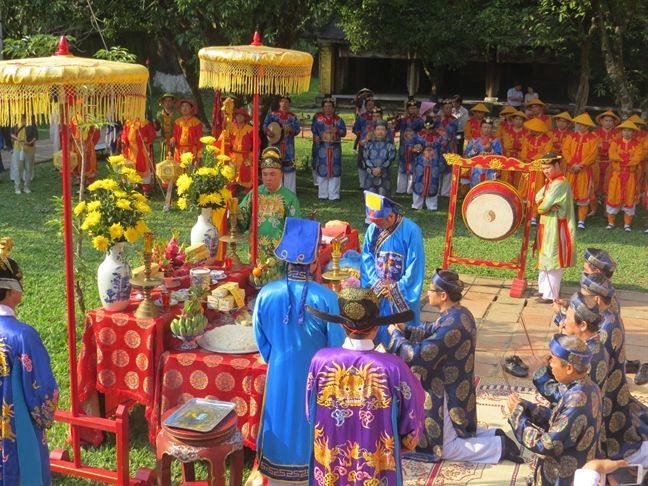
(213, 447)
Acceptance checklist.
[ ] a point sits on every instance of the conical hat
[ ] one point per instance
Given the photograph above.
(508, 110)
(536, 125)
(607, 113)
(519, 113)
(536, 102)
(637, 120)
(584, 119)
(628, 124)
(565, 116)
(480, 107)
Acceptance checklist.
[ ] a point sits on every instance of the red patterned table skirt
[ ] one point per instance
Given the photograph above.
(236, 378)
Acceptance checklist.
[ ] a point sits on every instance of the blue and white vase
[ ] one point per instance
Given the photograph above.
(205, 232)
(113, 280)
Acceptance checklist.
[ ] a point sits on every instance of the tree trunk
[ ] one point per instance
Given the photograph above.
(586, 69)
(435, 73)
(614, 65)
(191, 75)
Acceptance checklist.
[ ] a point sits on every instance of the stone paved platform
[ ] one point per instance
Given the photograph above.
(499, 322)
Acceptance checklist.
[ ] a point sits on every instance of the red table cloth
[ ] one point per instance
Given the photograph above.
(236, 378)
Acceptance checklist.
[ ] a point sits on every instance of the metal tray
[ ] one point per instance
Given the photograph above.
(200, 414)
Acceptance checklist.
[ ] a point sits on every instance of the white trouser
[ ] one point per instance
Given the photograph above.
(446, 184)
(628, 211)
(315, 178)
(146, 178)
(22, 168)
(290, 181)
(328, 188)
(549, 283)
(486, 448)
(432, 203)
(362, 175)
(404, 184)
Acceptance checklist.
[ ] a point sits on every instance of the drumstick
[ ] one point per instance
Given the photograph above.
(498, 358)
(526, 332)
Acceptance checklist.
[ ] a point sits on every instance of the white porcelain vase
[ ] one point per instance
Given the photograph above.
(205, 232)
(113, 280)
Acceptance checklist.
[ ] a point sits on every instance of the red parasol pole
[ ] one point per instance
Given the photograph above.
(256, 41)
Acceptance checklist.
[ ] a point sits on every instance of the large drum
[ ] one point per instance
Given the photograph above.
(492, 210)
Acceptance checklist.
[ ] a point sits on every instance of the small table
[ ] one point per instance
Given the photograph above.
(213, 446)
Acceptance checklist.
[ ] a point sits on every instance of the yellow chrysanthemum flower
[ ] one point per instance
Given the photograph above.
(131, 234)
(135, 179)
(203, 200)
(116, 230)
(207, 140)
(215, 198)
(116, 159)
(184, 183)
(228, 172)
(100, 243)
(226, 194)
(211, 148)
(96, 185)
(182, 203)
(121, 194)
(123, 204)
(223, 158)
(137, 196)
(187, 157)
(93, 205)
(80, 208)
(207, 171)
(127, 171)
(143, 207)
(141, 227)
(93, 217)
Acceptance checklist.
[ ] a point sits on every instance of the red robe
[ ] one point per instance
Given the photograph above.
(137, 137)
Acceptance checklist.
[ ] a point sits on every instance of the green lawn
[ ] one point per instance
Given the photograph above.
(39, 250)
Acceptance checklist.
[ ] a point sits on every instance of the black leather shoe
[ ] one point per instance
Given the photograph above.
(512, 367)
(515, 358)
(542, 300)
(632, 366)
(641, 378)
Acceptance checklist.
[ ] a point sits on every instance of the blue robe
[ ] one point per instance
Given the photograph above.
(565, 437)
(427, 173)
(624, 432)
(408, 126)
(284, 442)
(450, 127)
(287, 143)
(442, 354)
(395, 254)
(330, 130)
(475, 147)
(314, 146)
(29, 399)
(379, 154)
(367, 127)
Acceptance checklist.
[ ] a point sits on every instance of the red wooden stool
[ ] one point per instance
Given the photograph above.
(213, 446)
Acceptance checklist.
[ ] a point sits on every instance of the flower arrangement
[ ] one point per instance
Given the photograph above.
(204, 186)
(114, 211)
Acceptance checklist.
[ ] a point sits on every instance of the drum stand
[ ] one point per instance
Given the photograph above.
(497, 162)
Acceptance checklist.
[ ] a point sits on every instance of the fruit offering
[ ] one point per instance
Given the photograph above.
(268, 270)
(191, 321)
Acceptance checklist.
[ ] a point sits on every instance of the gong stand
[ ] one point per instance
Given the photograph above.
(496, 162)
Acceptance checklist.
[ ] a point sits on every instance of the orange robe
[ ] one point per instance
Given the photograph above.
(558, 138)
(472, 128)
(137, 137)
(642, 185)
(580, 149)
(90, 139)
(187, 132)
(600, 167)
(511, 146)
(543, 118)
(533, 148)
(501, 128)
(625, 157)
(240, 152)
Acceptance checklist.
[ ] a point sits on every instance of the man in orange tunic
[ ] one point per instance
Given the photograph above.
(537, 108)
(606, 133)
(535, 144)
(86, 137)
(136, 140)
(512, 142)
(642, 136)
(187, 131)
(580, 151)
(506, 113)
(241, 139)
(559, 134)
(625, 155)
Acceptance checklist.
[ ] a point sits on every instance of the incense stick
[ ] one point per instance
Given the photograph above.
(526, 332)
(498, 358)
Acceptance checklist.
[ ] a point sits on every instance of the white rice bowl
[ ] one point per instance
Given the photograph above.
(231, 338)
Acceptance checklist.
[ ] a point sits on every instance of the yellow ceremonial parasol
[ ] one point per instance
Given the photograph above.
(255, 69)
(63, 84)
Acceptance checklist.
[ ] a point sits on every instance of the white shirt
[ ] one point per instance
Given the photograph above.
(587, 477)
(514, 93)
(462, 115)
(358, 344)
(5, 310)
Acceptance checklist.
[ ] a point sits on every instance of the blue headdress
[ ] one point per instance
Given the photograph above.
(454, 286)
(603, 290)
(573, 357)
(299, 245)
(590, 314)
(600, 259)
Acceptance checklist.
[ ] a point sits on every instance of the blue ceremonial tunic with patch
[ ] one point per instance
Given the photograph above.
(442, 354)
(379, 154)
(330, 130)
(475, 147)
(408, 126)
(565, 438)
(393, 265)
(284, 441)
(427, 173)
(287, 144)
